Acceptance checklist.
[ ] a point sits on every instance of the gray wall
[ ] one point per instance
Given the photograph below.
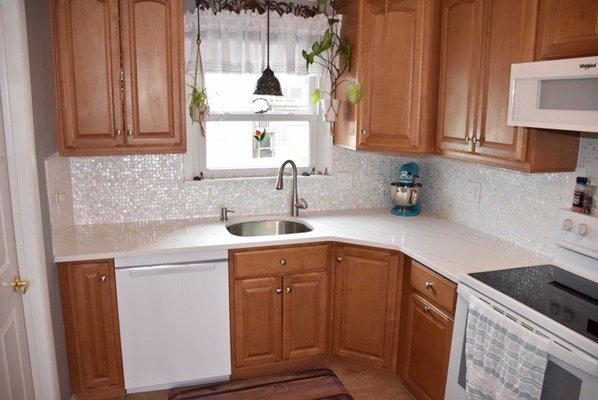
(44, 118)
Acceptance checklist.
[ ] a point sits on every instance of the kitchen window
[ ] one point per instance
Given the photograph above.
(289, 127)
(233, 52)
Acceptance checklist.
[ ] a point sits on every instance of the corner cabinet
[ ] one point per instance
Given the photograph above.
(279, 306)
(567, 28)
(366, 304)
(396, 60)
(88, 291)
(427, 330)
(119, 70)
(480, 41)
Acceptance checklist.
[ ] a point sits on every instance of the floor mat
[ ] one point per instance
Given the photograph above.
(313, 384)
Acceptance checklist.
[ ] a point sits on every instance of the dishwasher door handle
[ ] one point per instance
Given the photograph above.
(135, 272)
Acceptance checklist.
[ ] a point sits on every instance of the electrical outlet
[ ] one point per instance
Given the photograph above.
(344, 180)
(473, 191)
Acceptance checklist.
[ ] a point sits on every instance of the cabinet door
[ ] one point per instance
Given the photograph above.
(305, 315)
(87, 68)
(461, 35)
(152, 46)
(427, 348)
(508, 38)
(567, 28)
(257, 331)
(366, 304)
(88, 291)
(398, 71)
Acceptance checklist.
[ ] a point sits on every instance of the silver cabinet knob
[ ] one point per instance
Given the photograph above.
(130, 132)
(426, 309)
(468, 139)
(118, 132)
(567, 225)
(289, 289)
(283, 261)
(278, 290)
(476, 140)
(363, 132)
(103, 278)
(339, 259)
(582, 230)
(429, 285)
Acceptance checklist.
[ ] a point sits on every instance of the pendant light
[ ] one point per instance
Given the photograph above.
(268, 84)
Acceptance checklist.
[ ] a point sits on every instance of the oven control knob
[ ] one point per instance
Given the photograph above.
(568, 314)
(555, 308)
(567, 225)
(582, 230)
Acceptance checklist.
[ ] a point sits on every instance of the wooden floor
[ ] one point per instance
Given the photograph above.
(362, 382)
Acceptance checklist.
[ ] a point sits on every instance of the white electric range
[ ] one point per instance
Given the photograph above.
(558, 301)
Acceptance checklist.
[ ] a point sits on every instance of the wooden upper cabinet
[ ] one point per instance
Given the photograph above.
(88, 291)
(567, 28)
(111, 101)
(366, 304)
(396, 47)
(152, 44)
(459, 70)
(87, 63)
(480, 41)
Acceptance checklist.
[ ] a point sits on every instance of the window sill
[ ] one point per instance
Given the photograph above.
(255, 178)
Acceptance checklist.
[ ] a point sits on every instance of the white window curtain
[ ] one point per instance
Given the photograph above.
(236, 43)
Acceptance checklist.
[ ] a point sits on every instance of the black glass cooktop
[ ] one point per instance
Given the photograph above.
(560, 295)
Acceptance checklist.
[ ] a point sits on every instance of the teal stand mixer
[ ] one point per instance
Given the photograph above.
(406, 192)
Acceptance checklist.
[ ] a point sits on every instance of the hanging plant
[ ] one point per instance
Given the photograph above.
(198, 106)
(335, 55)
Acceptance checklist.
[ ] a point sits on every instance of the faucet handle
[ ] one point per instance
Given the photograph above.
(301, 203)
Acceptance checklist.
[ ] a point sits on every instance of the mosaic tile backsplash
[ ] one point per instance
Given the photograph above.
(518, 207)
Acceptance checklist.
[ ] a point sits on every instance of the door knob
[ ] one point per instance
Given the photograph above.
(18, 283)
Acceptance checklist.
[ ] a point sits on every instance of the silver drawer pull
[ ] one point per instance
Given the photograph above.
(426, 309)
(278, 290)
(103, 278)
(339, 259)
(283, 261)
(130, 132)
(429, 285)
(289, 289)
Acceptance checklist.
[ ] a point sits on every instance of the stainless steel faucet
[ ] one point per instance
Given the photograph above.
(296, 202)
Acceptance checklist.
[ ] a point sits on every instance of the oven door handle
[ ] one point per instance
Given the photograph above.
(576, 358)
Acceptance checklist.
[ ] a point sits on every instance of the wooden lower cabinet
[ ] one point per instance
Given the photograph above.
(366, 304)
(88, 291)
(428, 333)
(283, 316)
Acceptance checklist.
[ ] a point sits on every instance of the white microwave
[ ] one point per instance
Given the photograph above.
(558, 94)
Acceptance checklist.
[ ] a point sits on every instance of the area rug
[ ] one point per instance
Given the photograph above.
(313, 384)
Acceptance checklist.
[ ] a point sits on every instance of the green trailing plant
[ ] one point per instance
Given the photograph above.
(335, 55)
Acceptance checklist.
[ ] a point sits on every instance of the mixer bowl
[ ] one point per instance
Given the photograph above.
(404, 196)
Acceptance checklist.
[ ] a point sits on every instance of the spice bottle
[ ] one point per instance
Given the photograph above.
(579, 195)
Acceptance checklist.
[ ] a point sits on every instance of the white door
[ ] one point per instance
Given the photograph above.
(15, 370)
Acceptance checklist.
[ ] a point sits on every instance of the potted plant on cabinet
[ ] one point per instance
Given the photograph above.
(334, 54)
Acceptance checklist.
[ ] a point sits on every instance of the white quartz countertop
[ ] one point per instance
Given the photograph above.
(444, 246)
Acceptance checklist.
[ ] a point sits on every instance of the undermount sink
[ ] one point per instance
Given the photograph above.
(268, 227)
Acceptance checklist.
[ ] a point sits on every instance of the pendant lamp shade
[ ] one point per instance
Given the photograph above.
(268, 84)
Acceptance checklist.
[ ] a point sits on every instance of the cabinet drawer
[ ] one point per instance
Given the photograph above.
(434, 287)
(279, 260)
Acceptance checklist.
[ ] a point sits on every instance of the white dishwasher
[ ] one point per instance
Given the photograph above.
(174, 319)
